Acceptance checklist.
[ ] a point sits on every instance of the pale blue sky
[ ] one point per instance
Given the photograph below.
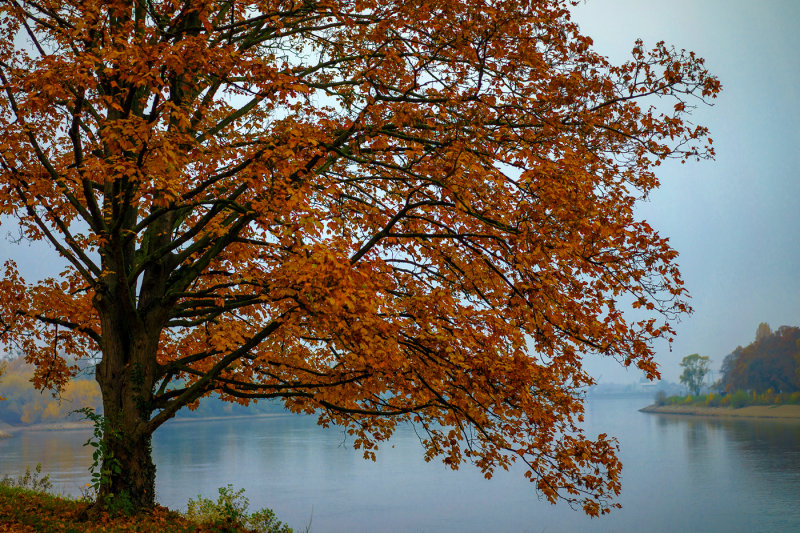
(735, 220)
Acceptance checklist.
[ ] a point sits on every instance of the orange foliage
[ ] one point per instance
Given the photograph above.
(380, 211)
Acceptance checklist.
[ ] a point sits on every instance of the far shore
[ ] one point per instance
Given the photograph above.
(7, 430)
(783, 412)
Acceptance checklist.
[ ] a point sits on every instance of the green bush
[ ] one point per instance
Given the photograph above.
(29, 481)
(740, 398)
(230, 512)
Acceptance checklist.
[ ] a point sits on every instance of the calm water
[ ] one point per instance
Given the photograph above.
(681, 474)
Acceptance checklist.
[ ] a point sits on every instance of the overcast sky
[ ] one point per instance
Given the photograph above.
(735, 220)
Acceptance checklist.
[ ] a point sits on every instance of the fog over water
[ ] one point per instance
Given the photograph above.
(680, 474)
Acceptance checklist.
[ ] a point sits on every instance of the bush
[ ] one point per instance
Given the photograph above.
(740, 399)
(230, 512)
(29, 481)
(713, 400)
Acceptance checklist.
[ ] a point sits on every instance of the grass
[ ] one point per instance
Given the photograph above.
(25, 505)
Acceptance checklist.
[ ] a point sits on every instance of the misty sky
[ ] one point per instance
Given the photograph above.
(734, 220)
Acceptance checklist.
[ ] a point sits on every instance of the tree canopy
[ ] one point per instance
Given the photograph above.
(695, 367)
(772, 361)
(379, 212)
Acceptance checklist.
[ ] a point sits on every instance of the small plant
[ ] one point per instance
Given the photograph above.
(29, 481)
(230, 512)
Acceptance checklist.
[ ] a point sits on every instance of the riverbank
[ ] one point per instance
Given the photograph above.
(783, 412)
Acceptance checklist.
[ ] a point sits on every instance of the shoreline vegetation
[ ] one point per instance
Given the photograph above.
(781, 412)
(27, 503)
(739, 404)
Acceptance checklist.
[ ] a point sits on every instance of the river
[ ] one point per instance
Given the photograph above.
(680, 474)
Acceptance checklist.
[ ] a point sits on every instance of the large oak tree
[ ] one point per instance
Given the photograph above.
(377, 211)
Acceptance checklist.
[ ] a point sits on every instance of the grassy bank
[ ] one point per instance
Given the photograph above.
(784, 412)
(736, 400)
(740, 404)
(26, 505)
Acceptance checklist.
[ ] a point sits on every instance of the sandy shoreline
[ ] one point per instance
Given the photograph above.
(783, 412)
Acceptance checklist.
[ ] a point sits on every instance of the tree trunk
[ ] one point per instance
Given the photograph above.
(126, 377)
(129, 475)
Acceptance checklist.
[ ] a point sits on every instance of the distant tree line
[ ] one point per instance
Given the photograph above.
(771, 362)
(22, 404)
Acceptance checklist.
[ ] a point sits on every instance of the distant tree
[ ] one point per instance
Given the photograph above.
(763, 331)
(695, 368)
(771, 362)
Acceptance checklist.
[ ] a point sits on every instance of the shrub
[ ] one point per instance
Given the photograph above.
(713, 400)
(740, 399)
(230, 512)
(29, 481)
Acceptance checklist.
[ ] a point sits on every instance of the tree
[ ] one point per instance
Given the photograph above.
(695, 367)
(763, 331)
(770, 362)
(379, 212)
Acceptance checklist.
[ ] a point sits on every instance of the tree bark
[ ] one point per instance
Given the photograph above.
(126, 376)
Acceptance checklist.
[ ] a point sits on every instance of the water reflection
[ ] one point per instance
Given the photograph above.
(680, 474)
